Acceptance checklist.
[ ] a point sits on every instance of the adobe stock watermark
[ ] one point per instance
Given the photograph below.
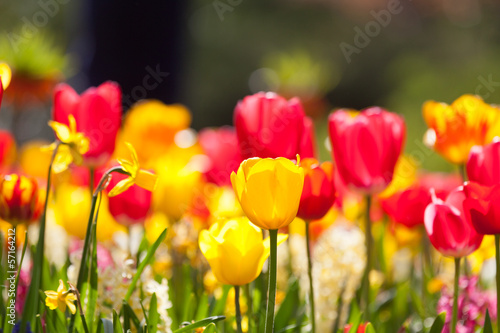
(32, 24)
(150, 82)
(372, 29)
(486, 86)
(223, 6)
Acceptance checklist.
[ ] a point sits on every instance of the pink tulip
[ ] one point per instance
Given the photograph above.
(268, 125)
(483, 165)
(366, 147)
(221, 148)
(450, 232)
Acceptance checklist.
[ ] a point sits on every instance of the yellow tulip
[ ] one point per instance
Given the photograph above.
(72, 209)
(235, 250)
(269, 190)
(455, 128)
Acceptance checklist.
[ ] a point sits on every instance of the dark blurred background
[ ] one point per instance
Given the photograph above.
(208, 54)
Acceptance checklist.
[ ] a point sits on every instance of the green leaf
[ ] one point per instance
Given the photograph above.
(221, 303)
(487, 323)
(117, 326)
(92, 295)
(107, 325)
(369, 328)
(153, 315)
(202, 310)
(211, 328)
(144, 263)
(438, 324)
(202, 323)
(288, 307)
(417, 304)
(131, 314)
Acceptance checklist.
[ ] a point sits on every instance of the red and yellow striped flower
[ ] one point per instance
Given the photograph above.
(18, 199)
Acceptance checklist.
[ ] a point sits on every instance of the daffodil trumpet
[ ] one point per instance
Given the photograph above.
(32, 299)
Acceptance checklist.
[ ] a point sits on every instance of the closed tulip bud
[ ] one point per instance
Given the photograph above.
(450, 232)
(221, 147)
(483, 165)
(366, 146)
(482, 207)
(268, 125)
(269, 191)
(97, 113)
(18, 199)
(318, 194)
(235, 250)
(454, 129)
(130, 207)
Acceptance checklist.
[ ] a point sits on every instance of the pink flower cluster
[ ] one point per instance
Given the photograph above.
(472, 305)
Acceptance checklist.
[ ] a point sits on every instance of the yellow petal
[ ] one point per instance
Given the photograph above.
(70, 303)
(63, 159)
(121, 187)
(208, 245)
(51, 302)
(61, 287)
(72, 123)
(135, 161)
(62, 131)
(5, 75)
(147, 180)
(128, 166)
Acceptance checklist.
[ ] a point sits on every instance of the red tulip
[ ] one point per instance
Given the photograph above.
(361, 328)
(268, 125)
(450, 232)
(366, 147)
(483, 165)
(130, 207)
(482, 207)
(318, 194)
(407, 206)
(307, 146)
(97, 113)
(7, 150)
(221, 147)
(19, 199)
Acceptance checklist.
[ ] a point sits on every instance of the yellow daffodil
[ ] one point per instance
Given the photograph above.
(60, 299)
(142, 178)
(73, 145)
(455, 128)
(269, 190)
(235, 250)
(5, 75)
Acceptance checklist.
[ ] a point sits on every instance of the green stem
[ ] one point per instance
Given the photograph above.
(369, 247)
(32, 299)
(497, 259)
(271, 301)
(455, 296)
(83, 271)
(309, 272)
(463, 172)
(91, 180)
(248, 296)
(237, 306)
